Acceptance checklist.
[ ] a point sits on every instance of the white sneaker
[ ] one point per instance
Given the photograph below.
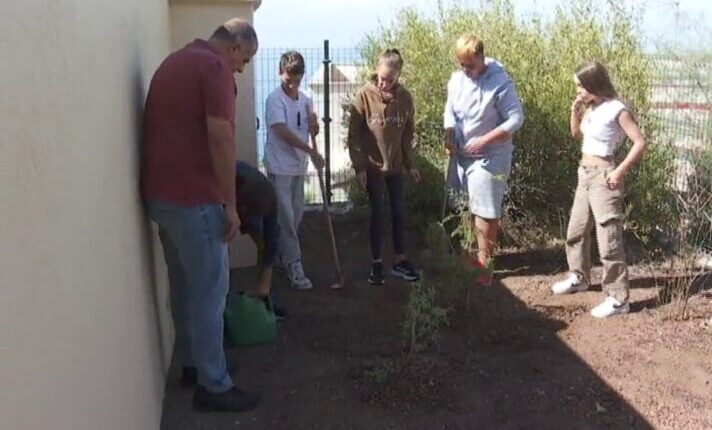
(573, 284)
(610, 307)
(297, 278)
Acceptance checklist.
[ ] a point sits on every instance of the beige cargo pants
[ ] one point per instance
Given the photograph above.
(595, 202)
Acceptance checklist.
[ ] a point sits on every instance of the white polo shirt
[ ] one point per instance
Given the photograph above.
(281, 158)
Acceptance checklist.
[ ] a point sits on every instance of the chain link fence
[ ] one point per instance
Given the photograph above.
(681, 108)
(331, 100)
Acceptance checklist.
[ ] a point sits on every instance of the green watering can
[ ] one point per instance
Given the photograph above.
(249, 320)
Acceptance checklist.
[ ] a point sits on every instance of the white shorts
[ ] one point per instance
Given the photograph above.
(483, 180)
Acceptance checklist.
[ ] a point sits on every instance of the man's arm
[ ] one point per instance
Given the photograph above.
(223, 154)
(218, 86)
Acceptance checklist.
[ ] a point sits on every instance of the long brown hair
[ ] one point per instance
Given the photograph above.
(594, 77)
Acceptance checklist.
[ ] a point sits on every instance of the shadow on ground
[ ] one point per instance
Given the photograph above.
(337, 363)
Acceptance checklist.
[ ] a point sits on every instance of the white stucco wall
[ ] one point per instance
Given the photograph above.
(85, 331)
(80, 344)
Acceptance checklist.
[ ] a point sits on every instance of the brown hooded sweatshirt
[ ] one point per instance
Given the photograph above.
(381, 128)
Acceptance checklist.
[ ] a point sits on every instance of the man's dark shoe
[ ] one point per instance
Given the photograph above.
(189, 375)
(233, 400)
(377, 277)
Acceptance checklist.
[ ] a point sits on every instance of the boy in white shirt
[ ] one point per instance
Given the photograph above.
(290, 120)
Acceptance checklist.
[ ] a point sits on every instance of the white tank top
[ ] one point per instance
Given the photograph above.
(600, 128)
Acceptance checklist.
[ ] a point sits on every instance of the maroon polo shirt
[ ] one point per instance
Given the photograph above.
(190, 85)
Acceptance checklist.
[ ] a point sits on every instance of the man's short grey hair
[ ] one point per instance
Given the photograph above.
(237, 30)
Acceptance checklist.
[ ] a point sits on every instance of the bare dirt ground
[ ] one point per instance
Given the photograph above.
(518, 358)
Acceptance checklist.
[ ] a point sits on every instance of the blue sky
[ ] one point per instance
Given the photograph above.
(306, 23)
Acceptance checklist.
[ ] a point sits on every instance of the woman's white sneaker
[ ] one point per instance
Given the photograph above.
(610, 307)
(573, 284)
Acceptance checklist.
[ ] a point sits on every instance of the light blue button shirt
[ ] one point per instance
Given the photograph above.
(477, 106)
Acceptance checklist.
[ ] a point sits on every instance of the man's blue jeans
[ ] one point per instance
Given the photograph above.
(198, 271)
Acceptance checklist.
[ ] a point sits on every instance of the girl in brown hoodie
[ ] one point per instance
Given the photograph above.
(380, 141)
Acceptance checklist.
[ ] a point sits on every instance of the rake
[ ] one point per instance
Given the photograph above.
(340, 280)
(438, 229)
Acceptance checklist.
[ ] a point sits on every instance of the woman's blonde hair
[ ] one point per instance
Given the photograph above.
(391, 58)
(468, 46)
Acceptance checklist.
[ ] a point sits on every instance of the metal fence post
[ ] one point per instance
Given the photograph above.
(327, 121)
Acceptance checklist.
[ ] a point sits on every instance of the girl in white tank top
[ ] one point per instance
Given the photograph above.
(603, 121)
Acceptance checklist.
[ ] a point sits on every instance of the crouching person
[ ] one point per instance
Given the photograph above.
(257, 208)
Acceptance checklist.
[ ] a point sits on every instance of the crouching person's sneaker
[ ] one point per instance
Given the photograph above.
(273, 304)
(377, 276)
(573, 284)
(405, 271)
(233, 400)
(296, 276)
(610, 307)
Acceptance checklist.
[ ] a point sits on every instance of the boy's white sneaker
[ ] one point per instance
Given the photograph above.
(573, 284)
(297, 278)
(610, 307)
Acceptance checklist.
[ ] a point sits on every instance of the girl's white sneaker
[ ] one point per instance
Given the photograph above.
(610, 307)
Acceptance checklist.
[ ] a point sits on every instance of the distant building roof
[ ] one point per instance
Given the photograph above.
(339, 74)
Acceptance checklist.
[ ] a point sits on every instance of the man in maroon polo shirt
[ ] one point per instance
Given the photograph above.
(188, 183)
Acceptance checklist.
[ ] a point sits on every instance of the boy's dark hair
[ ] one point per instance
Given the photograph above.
(292, 62)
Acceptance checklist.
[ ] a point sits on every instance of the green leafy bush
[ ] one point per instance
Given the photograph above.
(541, 56)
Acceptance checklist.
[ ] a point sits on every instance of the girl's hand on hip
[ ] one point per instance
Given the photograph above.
(614, 179)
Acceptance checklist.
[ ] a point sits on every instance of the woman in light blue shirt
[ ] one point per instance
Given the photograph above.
(482, 113)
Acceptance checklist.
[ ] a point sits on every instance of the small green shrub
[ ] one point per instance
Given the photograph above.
(423, 318)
